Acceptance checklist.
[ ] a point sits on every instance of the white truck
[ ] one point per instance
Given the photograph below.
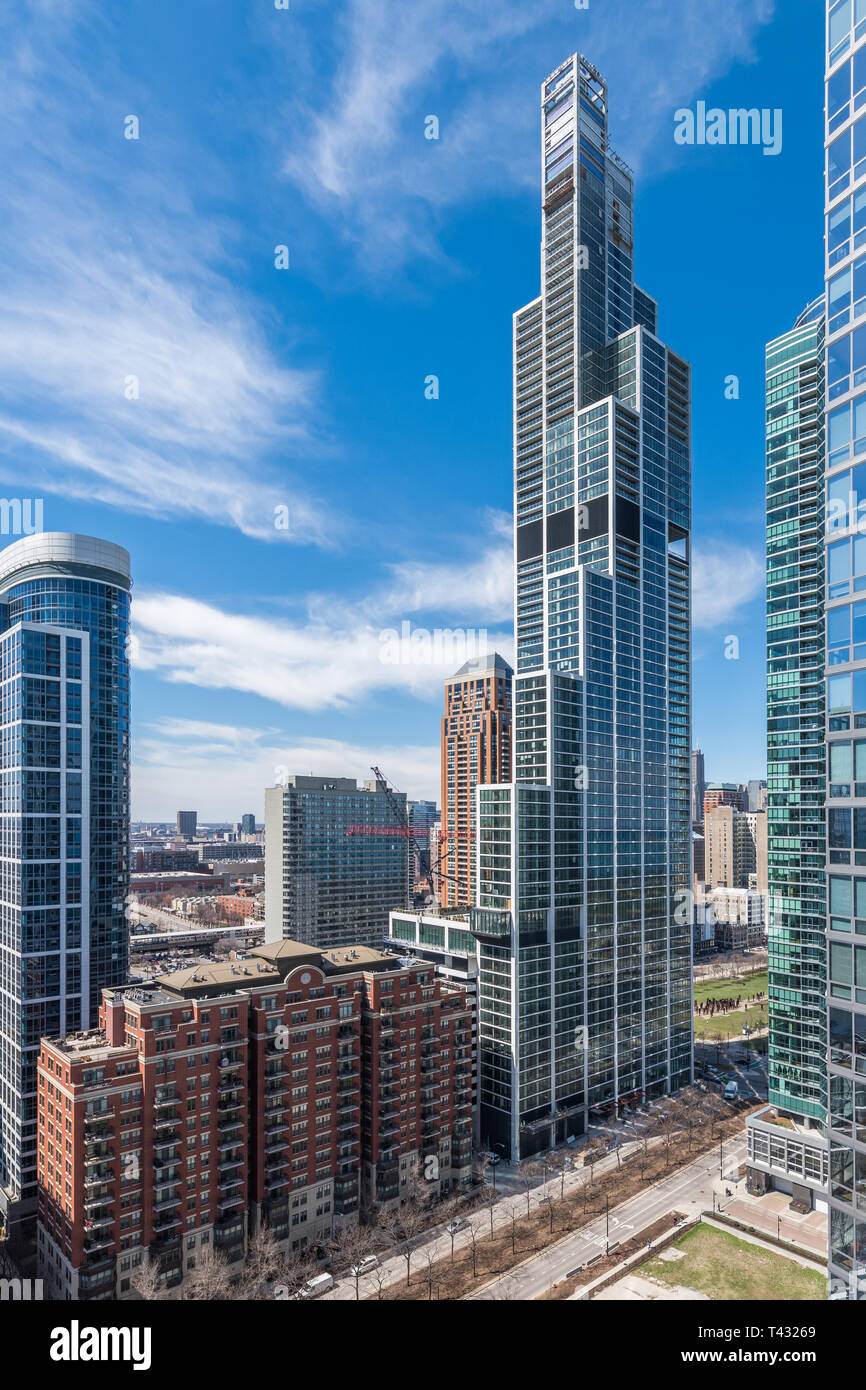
(317, 1285)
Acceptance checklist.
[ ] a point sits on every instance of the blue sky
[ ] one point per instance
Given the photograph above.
(260, 388)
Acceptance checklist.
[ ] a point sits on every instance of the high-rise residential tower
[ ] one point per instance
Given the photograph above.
(699, 783)
(845, 113)
(64, 774)
(476, 748)
(582, 917)
(336, 860)
(795, 718)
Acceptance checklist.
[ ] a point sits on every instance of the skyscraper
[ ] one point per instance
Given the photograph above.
(248, 824)
(476, 748)
(699, 783)
(187, 823)
(336, 860)
(64, 773)
(795, 718)
(584, 932)
(846, 639)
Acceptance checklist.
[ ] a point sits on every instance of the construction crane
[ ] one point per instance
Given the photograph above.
(402, 811)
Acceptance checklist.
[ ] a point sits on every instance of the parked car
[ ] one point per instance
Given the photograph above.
(364, 1266)
(732, 1091)
(316, 1286)
(456, 1225)
(492, 1158)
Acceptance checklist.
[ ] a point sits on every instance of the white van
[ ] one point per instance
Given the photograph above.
(364, 1266)
(732, 1090)
(319, 1285)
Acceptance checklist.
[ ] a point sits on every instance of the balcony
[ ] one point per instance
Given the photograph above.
(99, 1242)
(160, 1102)
(225, 1106)
(105, 1153)
(165, 1223)
(229, 1164)
(97, 1178)
(166, 1203)
(277, 1146)
(226, 1088)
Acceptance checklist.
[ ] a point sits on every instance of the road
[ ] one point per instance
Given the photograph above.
(438, 1244)
(688, 1190)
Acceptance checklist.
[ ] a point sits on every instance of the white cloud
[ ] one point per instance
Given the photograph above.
(134, 371)
(228, 767)
(312, 666)
(725, 577)
(355, 134)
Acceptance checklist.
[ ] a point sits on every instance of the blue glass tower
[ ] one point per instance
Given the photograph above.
(64, 813)
(582, 913)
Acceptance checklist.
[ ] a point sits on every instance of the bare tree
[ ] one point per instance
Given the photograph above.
(353, 1244)
(210, 1281)
(595, 1150)
(261, 1264)
(560, 1163)
(404, 1226)
(292, 1273)
(548, 1200)
(146, 1280)
(473, 1239)
(527, 1171)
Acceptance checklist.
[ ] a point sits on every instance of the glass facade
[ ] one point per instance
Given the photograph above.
(846, 639)
(64, 813)
(584, 961)
(337, 861)
(795, 718)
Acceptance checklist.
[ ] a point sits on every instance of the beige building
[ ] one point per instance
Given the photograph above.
(736, 849)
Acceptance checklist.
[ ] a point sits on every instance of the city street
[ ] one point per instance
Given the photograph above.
(695, 1179)
(689, 1190)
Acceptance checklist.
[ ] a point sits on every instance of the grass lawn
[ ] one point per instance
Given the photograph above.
(729, 1025)
(729, 989)
(724, 1267)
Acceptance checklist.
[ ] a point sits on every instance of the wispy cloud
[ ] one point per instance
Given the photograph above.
(135, 372)
(726, 576)
(230, 766)
(355, 136)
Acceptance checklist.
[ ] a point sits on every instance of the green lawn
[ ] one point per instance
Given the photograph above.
(729, 1025)
(730, 988)
(727, 1268)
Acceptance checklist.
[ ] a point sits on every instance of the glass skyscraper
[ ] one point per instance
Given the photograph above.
(795, 718)
(64, 814)
(846, 638)
(581, 911)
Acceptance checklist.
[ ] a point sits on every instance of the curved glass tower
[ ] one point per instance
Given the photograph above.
(64, 813)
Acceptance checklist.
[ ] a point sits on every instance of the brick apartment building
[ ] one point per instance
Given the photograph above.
(476, 736)
(294, 1087)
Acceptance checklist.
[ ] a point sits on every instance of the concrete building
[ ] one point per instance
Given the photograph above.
(735, 848)
(64, 816)
(337, 858)
(476, 738)
(187, 823)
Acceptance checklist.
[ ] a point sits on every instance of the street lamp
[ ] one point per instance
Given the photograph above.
(607, 1223)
